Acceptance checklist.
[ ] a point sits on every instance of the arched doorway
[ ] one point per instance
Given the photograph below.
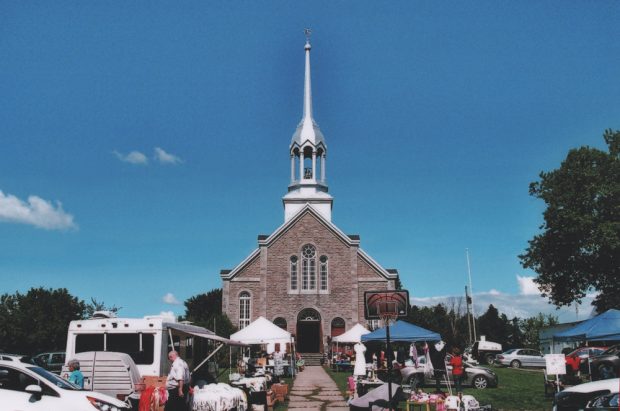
(309, 331)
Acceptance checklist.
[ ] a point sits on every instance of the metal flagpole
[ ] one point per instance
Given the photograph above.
(471, 290)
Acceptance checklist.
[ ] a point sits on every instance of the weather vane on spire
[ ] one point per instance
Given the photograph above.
(307, 32)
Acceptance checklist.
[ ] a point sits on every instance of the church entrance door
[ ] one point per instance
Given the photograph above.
(309, 331)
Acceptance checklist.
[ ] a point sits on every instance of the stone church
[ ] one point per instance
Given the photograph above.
(308, 276)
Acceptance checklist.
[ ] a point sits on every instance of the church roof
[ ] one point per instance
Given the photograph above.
(309, 209)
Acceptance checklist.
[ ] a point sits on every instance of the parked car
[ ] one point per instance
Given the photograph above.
(475, 376)
(521, 357)
(609, 402)
(51, 361)
(607, 364)
(28, 387)
(577, 397)
(580, 356)
(16, 357)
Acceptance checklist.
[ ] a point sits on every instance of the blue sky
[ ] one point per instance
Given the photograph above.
(144, 145)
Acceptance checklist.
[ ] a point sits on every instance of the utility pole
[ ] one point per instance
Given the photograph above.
(467, 303)
(471, 290)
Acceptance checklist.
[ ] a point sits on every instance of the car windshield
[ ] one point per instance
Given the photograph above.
(510, 351)
(613, 350)
(53, 378)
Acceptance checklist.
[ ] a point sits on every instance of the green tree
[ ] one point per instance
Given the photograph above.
(38, 320)
(531, 328)
(579, 247)
(95, 305)
(495, 327)
(206, 310)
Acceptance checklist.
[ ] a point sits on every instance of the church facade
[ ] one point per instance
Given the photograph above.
(308, 276)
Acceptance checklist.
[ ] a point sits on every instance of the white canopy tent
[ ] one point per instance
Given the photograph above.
(262, 331)
(354, 335)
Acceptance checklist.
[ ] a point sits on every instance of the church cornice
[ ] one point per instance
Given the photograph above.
(230, 274)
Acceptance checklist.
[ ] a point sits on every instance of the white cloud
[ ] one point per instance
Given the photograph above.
(514, 305)
(169, 298)
(134, 157)
(527, 286)
(166, 158)
(168, 314)
(36, 211)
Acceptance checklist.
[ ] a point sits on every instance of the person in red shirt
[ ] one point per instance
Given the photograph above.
(457, 368)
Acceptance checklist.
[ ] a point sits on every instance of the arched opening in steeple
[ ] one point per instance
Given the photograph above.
(309, 161)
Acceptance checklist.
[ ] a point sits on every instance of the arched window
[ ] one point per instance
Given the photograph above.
(308, 273)
(280, 322)
(244, 309)
(293, 273)
(323, 272)
(338, 326)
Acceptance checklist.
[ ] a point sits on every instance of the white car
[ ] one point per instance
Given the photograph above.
(576, 397)
(27, 387)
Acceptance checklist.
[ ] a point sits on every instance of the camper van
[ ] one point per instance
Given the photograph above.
(116, 354)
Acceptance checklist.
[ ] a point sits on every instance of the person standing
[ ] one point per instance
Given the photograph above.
(278, 363)
(76, 377)
(177, 383)
(457, 368)
(438, 361)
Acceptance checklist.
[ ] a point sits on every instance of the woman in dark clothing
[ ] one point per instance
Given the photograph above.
(438, 359)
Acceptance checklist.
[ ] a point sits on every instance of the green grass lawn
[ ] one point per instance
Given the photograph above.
(517, 390)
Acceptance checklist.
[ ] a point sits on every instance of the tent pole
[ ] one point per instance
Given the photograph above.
(210, 355)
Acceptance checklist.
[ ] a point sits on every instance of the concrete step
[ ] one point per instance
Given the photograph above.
(311, 359)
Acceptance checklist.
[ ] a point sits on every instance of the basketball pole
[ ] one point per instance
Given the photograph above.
(389, 354)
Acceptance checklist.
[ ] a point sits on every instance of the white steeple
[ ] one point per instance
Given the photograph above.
(308, 153)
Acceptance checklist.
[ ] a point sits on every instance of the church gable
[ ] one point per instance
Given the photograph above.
(309, 227)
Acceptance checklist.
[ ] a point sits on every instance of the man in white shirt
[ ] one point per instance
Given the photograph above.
(177, 383)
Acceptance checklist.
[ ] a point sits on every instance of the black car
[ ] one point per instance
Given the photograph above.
(607, 364)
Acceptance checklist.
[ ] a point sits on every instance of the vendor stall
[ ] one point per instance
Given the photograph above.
(402, 331)
(603, 327)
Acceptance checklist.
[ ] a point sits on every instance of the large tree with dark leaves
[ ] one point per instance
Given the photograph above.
(38, 320)
(206, 310)
(578, 250)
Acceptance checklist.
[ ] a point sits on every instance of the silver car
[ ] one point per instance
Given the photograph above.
(521, 357)
(474, 376)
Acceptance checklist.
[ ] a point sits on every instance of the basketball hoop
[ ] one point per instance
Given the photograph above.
(387, 310)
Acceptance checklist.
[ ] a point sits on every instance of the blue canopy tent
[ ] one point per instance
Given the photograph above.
(403, 331)
(604, 326)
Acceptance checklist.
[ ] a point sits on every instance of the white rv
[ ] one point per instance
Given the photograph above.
(116, 353)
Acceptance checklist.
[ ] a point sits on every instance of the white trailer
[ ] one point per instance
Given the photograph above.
(144, 343)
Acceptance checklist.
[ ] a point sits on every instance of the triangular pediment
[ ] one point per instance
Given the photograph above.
(308, 210)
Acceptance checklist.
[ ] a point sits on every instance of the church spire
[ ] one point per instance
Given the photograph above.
(307, 81)
(308, 153)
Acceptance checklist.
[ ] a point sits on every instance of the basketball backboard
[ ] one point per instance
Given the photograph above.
(378, 303)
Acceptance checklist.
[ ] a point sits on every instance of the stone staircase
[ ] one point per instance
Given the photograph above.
(311, 358)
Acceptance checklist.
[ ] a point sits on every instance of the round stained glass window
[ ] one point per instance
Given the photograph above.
(308, 251)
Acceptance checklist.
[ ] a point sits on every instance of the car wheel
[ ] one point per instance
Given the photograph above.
(490, 359)
(480, 382)
(606, 371)
(515, 364)
(414, 382)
